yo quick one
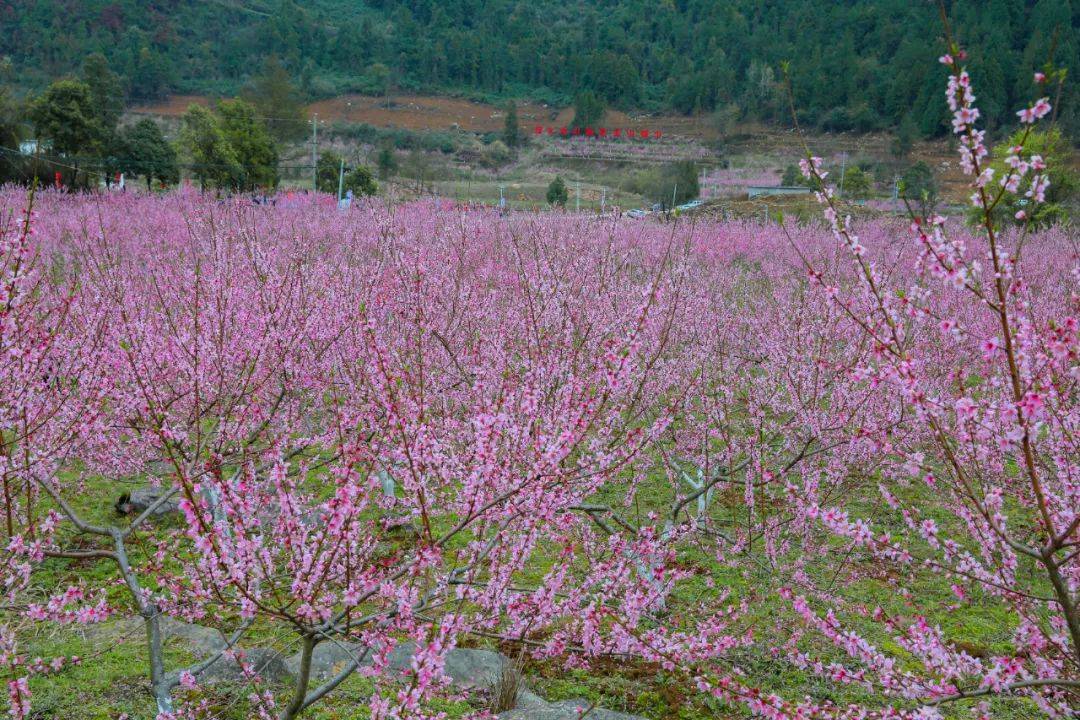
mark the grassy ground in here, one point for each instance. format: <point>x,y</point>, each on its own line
<point>111,680</point>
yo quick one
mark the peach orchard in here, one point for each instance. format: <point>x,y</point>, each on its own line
<point>593,428</point>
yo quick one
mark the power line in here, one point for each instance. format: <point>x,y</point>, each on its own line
<point>165,114</point>
<point>97,162</point>
<point>42,158</point>
<point>124,109</point>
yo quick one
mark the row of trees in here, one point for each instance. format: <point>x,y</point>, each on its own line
<point>75,128</point>
<point>919,186</point>
<point>854,66</point>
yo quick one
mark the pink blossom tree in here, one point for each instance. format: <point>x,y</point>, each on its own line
<point>47,413</point>
<point>985,357</point>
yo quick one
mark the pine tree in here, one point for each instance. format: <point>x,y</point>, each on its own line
<point>252,144</point>
<point>273,96</point>
<point>511,132</point>
<point>148,153</point>
<point>557,193</point>
<point>204,142</point>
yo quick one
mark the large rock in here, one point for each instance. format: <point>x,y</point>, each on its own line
<point>562,710</point>
<point>200,640</point>
<point>268,664</point>
<point>140,499</point>
<point>574,708</point>
<point>330,658</point>
<point>468,668</point>
<point>528,700</point>
<point>203,641</point>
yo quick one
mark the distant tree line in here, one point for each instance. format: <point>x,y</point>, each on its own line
<point>72,129</point>
<point>855,66</point>
<point>72,132</point>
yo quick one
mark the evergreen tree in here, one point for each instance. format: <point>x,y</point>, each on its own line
<point>511,131</point>
<point>211,157</point>
<point>904,140</point>
<point>386,162</point>
<point>557,193</point>
<point>588,110</point>
<point>251,143</point>
<point>149,154</point>
<point>106,89</point>
<point>11,132</point>
<point>64,118</point>
<point>853,65</point>
<point>150,74</point>
<point>274,98</point>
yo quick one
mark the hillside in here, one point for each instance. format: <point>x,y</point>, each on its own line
<point>685,56</point>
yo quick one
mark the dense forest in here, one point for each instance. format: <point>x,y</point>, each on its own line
<point>855,65</point>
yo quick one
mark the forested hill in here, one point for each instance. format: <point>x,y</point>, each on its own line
<point>855,65</point>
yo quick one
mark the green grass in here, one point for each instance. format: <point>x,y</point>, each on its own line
<point>112,679</point>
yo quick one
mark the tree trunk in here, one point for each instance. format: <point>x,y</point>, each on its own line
<point>303,676</point>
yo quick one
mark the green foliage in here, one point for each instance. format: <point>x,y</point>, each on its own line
<point>676,181</point>
<point>106,90</point>
<point>327,168</point>
<point>1061,196</point>
<point>361,181</point>
<point>212,158</point>
<point>416,166</point>
<point>358,179</point>
<point>557,193</point>
<point>11,132</point>
<point>511,131</point>
<point>904,140</point>
<point>853,65</point>
<point>275,99</point>
<point>588,110</point>
<point>65,117</point>
<point>792,176</point>
<point>252,145</point>
<point>724,119</point>
<point>150,74</point>
<point>857,183</point>
<point>495,154</point>
<point>379,76</point>
<point>919,187</point>
<point>148,153</point>
<point>386,162</point>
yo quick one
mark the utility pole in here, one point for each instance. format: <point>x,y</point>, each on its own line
<point>314,152</point>
<point>341,180</point>
<point>674,189</point>
<point>843,170</point>
<point>577,202</point>
<point>603,200</point>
